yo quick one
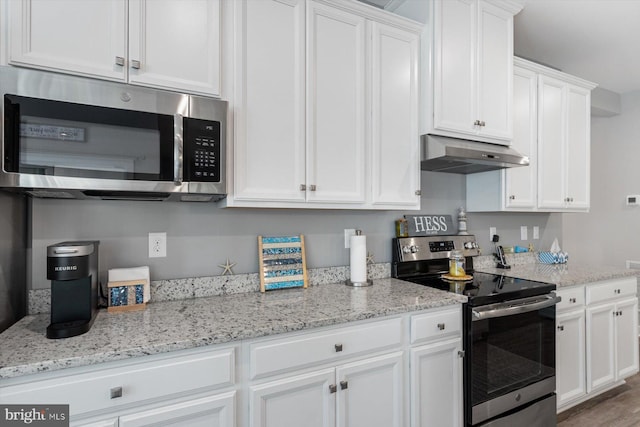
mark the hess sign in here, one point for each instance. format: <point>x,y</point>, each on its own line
<point>429,225</point>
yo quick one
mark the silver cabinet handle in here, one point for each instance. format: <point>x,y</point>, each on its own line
<point>441,326</point>
<point>120,61</point>
<point>312,188</point>
<point>512,197</point>
<point>560,327</point>
<point>461,353</point>
<point>333,388</point>
<point>418,193</point>
<point>338,348</point>
<point>344,385</point>
<point>303,187</point>
<point>476,123</point>
<point>135,64</point>
<point>116,392</point>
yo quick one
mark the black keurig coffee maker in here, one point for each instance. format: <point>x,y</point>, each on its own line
<point>72,268</point>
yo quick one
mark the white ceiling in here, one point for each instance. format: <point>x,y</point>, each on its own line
<point>598,40</point>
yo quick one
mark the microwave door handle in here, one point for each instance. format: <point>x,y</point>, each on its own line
<point>514,307</point>
<point>178,149</point>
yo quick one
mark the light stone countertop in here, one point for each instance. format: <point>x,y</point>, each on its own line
<point>562,275</point>
<point>189,323</point>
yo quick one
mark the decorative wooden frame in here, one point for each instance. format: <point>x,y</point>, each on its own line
<point>126,295</point>
<point>282,262</point>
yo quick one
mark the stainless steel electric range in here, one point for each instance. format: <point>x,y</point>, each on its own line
<point>509,333</point>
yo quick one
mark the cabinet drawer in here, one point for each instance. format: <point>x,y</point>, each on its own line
<point>571,298</point>
<point>611,289</point>
<point>92,390</point>
<point>436,325</point>
<point>270,357</point>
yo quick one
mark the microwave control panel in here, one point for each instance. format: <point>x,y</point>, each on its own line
<point>201,150</point>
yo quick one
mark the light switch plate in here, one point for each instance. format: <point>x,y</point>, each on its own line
<point>524,233</point>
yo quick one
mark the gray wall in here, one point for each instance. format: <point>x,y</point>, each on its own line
<point>608,233</point>
<point>202,236</point>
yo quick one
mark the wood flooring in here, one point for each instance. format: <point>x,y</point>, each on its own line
<point>619,407</point>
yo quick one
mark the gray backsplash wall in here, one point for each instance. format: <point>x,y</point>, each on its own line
<point>202,236</point>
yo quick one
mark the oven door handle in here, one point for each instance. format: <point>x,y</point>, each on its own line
<point>519,306</point>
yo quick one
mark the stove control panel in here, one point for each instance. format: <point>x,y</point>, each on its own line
<point>433,247</point>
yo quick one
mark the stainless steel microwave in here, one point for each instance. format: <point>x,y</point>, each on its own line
<point>74,137</point>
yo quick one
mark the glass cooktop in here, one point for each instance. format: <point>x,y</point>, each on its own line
<point>485,288</point>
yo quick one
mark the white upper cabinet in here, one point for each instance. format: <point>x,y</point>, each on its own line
<point>158,43</point>
<point>472,70</point>
<point>335,105</point>
<point>564,140</point>
<point>395,170</point>
<point>552,127</point>
<point>325,105</point>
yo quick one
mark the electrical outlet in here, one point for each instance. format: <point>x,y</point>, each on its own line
<point>536,232</point>
<point>524,232</point>
<point>157,245</point>
<point>348,232</point>
<point>492,232</point>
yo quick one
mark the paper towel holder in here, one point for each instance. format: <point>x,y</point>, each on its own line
<point>359,284</point>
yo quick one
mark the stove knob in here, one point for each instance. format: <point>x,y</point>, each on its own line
<point>406,249</point>
<point>415,249</point>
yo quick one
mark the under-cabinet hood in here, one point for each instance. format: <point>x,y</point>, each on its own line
<point>453,155</point>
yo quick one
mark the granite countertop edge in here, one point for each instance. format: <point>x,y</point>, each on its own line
<point>195,323</point>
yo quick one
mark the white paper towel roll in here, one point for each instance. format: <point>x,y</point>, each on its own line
<point>358,259</point>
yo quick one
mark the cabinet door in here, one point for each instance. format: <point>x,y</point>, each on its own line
<point>600,346</point>
<point>269,148</point>
<point>335,105</point>
<point>627,338</point>
<point>578,147</point>
<point>303,400</point>
<point>520,182</point>
<point>570,356</point>
<point>395,171</point>
<point>176,45</point>
<point>551,143</point>
<point>436,385</point>
<point>78,37</point>
<point>370,392</point>
<point>495,71</point>
<point>211,411</point>
<point>454,77</point>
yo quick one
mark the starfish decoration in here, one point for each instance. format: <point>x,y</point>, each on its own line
<point>227,267</point>
<point>370,259</point>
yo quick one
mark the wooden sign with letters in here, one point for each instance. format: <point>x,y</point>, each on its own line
<point>429,225</point>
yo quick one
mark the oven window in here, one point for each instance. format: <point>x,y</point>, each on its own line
<point>45,137</point>
<point>511,352</point>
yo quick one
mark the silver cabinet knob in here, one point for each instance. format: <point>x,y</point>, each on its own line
<point>135,64</point>
<point>441,326</point>
<point>418,193</point>
<point>560,327</point>
<point>476,123</point>
<point>120,61</point>
<point>116,392</point>
<point>512,197</point>
<point>344,385</point>
<point>572,300</point>
<point>338,348</point>
<point>303,187</point>
<point>312,188</point>
<point>333,388</point>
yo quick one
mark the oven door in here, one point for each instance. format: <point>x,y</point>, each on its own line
<point>510,353</point>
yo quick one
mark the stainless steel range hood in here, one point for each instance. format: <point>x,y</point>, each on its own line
<point>453,155</point>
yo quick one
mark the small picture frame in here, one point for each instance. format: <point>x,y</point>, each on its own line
<point>126,295</point>
<point>282,262</point>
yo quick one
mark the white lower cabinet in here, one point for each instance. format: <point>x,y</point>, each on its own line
<point>436,369</point>
<point>436,388</point>
<point>596,339</point>
<point>362,393</point>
